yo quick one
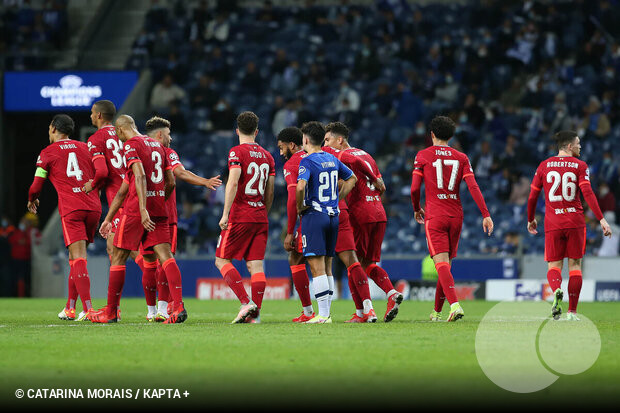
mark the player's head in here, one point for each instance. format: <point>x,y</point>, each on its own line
<point>568,141</point>
<point>102,112</point>
<point>289,141</point>
<point>313,134</point>
<point>125,128</point>
<point>61,127</point>
<point>337,135</point>
<point>442,129</point>
<point>247,125</point>
<point>159,129</point>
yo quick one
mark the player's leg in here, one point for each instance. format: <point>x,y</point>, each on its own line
<point>320,284</point>
<point>555,252</point>
<point>575,281</point>
<point>149,283</point>
<point>109,314</point>
<point>164,304</point>
<point>360,291</point>
<point>79,272</point>
<point>258,282</point>
<point>68,313</point>
<point>173,275</point>
<point>297,262</point>
<point>446,280</point>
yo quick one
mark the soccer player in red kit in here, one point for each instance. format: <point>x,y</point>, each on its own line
<point>154,279</point>
<point>368,221</point>
<point>562,177</point>
<point>290,145</point>
<point>144,222</point>
<point>244,223</point>
<point>67,164</point>
<point>443,168</point>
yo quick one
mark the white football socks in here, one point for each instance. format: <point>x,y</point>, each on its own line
<point>321,292</point>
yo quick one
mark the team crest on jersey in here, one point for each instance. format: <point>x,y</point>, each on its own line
<point>127,147</point>
<point>39,159</point>
<point>173,156</point>
<point>587,177</point>
<point>302,170</point>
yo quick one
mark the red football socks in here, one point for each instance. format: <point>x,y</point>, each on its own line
<point>439,297</point>
<point>173,275</point>
<point>82,281</point>
<point>258,281</point>
<point>574,289</point>
<point>446,281</point>
<point>233,279</point>
<point>115,287</point>
<point>380,277</point>
<point>302,284</point>
<point>554,277</point>
<point>149,282</point>
<point>359,304</point>
<point>163,292</point>
<point>360,281</point>
<point>72,291</point>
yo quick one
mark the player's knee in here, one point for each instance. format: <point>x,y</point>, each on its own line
<point>220,262</point>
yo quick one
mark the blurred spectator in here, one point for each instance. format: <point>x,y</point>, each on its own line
<point>607,170</point>
<point>484,162</point>
<point>347,100</point>
<point>605,197</point>
<point>408,106</point>
<point>204,95</point>
<point>280,62</point>
<point>594,123</point>
<point>511,98</point>
<point>511,244</point>
<point>252,81</point>
<point>475,113</point>
<point>510,158</point>
<point>609,245</point>
<point>21,243</point>
<point>383,99</point>
<point>503,185</point>
<point>177,118</point>
<point>366,63</point>
<point>223,117</point>
<point>164,93</point>
<point>520,189</point>
<point>285,117</point>
<point>420,138</point>
<point>217,67</point>
<point>217,30</point>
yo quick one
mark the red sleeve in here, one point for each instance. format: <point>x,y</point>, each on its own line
<point>234,158</point>
<point>586,190</point>
<point>474,190</point>
<point>291,209</point>
<point>101,171</point>
<point>35,188</point>
<point>535,189</point>
<point>416,184</point>
<point>357,164</point>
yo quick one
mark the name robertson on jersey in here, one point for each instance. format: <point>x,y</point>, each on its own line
<point>562,164</point>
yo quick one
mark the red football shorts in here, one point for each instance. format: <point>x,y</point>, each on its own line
<point>116,220</point>
<point>368,239</point>
<point>243,241</point>
<point>442,235</point>
<point>346,240</point>
<point>132,236</point>
<point>80,226</point>
<point>562,243</point>
<point>173,238</point>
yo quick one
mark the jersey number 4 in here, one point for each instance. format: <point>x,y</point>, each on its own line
<point>567,181</point>
<point>439,169</point>
<point>73,168</point>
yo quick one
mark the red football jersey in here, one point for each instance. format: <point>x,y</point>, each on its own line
<point>442,168</point>
<point>154,161</point>
<point>171,203</point>
<point>257,165</point>
<point>561,177</point>
<point>105,143</point>
<point>69,167</point>
<point>291,171</point>
<point>364,200</point>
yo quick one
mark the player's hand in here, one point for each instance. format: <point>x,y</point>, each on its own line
<point>531,227</point>
<point>33,205</point>
<point>419,216</point>
<point>487,226</point>
<point>380,185</point>
<point>289,242</point>
<point>214,182</point>
<point>146,220</point>
<point>88,186</point>
<point>105,229</point>
<point>224,223</point>
<point>605,227</point>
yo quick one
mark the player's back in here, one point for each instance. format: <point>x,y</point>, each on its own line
<point>69,167</point>
<point>171,202</point>
<point>104,142</point>
<point>291,167</point>
<point>364,200</point>
<point>321,171</point>
<point>443,168</point>
<point>256,165</point>
<point>560,177</point>
<point>154,162</point>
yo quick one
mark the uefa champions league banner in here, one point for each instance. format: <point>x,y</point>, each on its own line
<point>65,91</point>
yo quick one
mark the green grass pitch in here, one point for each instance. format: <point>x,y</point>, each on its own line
<point>404,364</point>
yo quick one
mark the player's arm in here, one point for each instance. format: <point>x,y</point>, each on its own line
<point>349,179</point>
<point>416,186</point>
<point>169,183</point>
<point>269,191</point>
<point>101,173</point>
<point>300,193</point>
<point>117,202</point>
<point>140,180</point>
<point>361,165</point>
<point>588,195</point>
<point>291,214</point>
<point>35,189</point>
<point>231,191</point>
<point>532,200</point>
<point>476,194</point>
<point>191,178</point>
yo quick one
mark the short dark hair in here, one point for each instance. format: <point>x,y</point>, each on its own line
<point>564,137</point>
<point>247,122</point>
<point>106,108</point>
<point>291,134</point>
<point>315,131</point>
<point>156,123</point>
<point>443,127</point>
<point>338,128</point>
<point>63,124</point>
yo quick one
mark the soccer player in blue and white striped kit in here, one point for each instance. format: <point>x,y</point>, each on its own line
<point>317,198</point>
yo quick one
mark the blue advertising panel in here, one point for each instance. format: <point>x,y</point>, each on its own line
<point>65,91</point>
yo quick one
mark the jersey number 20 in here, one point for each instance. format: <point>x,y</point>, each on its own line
<point>328,183</point>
